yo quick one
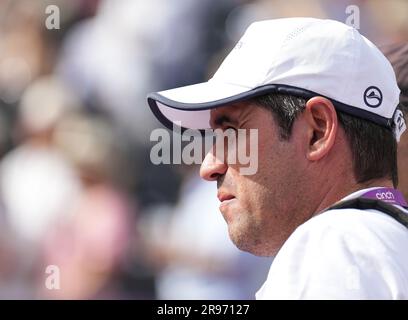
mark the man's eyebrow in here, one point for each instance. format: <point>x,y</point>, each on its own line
<point>222,119</point>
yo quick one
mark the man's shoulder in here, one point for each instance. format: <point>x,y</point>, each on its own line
<point>350,230</point>
<point>354,221</point>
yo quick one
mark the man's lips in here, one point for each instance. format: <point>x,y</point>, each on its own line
<point>222,196</point>
<point>227,200</point>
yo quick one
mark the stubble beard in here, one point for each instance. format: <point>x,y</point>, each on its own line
<point>247,235</point>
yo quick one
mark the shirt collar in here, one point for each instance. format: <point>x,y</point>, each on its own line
<point>358,193</point>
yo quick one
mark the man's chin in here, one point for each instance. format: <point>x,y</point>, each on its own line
<point>253,246</point>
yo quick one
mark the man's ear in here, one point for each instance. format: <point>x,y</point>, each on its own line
<point>322,123</point>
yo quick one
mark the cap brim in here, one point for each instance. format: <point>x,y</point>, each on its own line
<point>189,106</point>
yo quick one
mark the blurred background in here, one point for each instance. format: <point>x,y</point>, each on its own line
<point>77,188</point>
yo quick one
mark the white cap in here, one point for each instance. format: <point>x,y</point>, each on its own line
<point>304,57</point>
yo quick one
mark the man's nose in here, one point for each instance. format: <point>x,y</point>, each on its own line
<point>212,167</point>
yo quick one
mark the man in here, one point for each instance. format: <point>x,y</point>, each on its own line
<point>397,54</point>
<point>324,101</point>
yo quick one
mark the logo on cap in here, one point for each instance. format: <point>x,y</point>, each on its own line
<point>373,97</point>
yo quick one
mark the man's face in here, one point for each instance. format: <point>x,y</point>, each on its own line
<point>260,208</point>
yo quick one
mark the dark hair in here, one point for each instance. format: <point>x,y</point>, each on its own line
<point>374,147</point>
<point>397,54</point>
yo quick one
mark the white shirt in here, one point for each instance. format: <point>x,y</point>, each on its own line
<point>342,254</point>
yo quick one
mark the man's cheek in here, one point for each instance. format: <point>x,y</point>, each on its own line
<point>247,150</point>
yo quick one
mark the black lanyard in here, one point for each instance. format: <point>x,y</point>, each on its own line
<point>367,203</point>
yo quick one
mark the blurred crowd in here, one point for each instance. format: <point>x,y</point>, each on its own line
<point>77,188</point>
